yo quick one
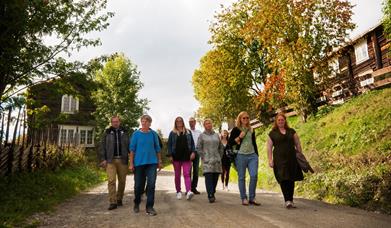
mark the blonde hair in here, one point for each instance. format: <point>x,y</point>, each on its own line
<point>179,131</point>
<point>238,121</point>
<point>206,120</point>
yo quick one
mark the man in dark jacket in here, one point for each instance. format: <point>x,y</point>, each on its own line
<point>114,156</point>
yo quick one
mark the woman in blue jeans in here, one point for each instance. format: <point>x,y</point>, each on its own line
<point>242,139</point>
<point>144,159</point>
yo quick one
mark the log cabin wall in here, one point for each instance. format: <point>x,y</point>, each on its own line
<point>356,77</point>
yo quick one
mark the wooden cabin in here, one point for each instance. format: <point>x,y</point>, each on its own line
<point>361,65</point>
<point>61,118</point>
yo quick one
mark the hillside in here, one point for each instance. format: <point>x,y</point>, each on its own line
<point>349,146</point>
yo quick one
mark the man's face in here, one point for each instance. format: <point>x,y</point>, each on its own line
<point>192,123</point>
<point>115,122</point>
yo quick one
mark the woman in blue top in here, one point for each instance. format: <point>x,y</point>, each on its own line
<point>144,159</point>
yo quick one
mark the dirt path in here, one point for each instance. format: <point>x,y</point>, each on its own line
<point>89,209</point>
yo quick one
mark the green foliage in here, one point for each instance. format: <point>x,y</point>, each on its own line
<point>387,18</point>
<point>247,54</point>
<point>218,88</point>
<point>27,193</point>
<point>350,150</point>
<point>26,54</point>
<point>117,94</point>
<point>267,37</point>
<point>231,75</point>
<point>303,32</point>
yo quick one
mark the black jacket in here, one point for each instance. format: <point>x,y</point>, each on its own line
<point>235,133</point>
<point>108,144</point>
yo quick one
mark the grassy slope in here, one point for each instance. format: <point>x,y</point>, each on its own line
<point>27,193</point>
<point>350,148</point>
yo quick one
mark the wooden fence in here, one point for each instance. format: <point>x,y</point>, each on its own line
<point>26,151</point>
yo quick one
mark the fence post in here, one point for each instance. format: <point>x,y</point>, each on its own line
<point>23,130</point>
<point>8,126</point>
<point>2,129</point>
<point>30,155</point>
<point>11,151</point>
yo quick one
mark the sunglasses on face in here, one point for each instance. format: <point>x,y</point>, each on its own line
<point>245,118</point>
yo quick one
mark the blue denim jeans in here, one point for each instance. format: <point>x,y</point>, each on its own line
<point>142,174</point>
<point>250,162</point>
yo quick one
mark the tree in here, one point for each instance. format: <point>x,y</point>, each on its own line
<point>271,97</point>
<point>265,84</point>
<point>250,54</point>
<point>387,17</point>
<point>299,35</point>
<point>219,87</point>
<point>33,35</point>
<point>232,75</point>
<point>117,93</point>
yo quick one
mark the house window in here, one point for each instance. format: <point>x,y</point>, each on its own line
<point>361,51</point>
<point>89,137</point>
<point>71,134</point>
<point>337,93</point>
<point>82,136</point>
<point>63,136</point>
<point>69,104</point>
<point>67,136</point>
<point>76,135</point>
<point>366,82</point>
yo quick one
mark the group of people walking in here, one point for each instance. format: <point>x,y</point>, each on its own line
<point>141,153</point>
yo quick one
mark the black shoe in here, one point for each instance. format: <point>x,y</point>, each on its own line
<point>196,192</point>
<point>253,202</point>
<point>151,212</point>
<point>119,203</point>
<point>136,208</point>
<point>212,199</point>
<point>112,206</point>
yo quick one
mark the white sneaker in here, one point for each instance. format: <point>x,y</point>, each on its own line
<point>179,195</point>
<point>289,204</point>
<point>189,195</point>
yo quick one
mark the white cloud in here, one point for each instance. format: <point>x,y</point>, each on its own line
<point>167,38</point>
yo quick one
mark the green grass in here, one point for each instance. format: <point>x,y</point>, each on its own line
<point>27,193</point>
<point>349,146</point>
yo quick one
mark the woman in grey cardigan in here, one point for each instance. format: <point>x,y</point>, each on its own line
<point>210,150</point>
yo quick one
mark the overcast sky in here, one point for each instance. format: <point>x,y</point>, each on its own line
<point>167,38</point>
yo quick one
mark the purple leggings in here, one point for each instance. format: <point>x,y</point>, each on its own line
<point>186,166</point>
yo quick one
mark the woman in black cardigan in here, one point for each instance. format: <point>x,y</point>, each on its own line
<point>242,139</point>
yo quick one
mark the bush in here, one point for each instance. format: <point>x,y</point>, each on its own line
<point>24,194</point>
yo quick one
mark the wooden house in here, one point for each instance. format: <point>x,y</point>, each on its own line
<point>361,65</point>
<point>60,117</point>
